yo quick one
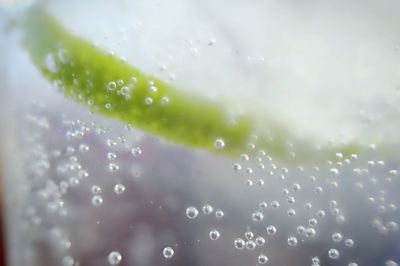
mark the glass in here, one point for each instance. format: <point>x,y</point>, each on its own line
<point>268,132</point>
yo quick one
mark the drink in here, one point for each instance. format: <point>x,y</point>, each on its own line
<point>175,133</point>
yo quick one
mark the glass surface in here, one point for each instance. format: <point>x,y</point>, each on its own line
<point>315,183</point>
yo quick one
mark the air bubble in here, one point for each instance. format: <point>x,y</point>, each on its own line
<point>333,254</point>
<point>271,230</point>
<point>112,167</point>
<point>214,234</point>
<point>239,243</point>
<point>111,156</point>
<point>96,189</point>
<point>237,167</point>
<point>249,235</point>
<point>219,214</point>
<point>219,144</point>
<point>257,216</point>
<point>337,237</point>
<point>111,86</point>
<point>164,101</point>
<point>207,209</point>
<point>260,241</point>
<point>119,189</point>
<point>114,258</point>
<point>250,244</point>
<point>349,243</point>
<point>168,252</point>
<point>148,101</point>
<point>262,259</point>
<point>292,241</point>
<point>136,151</point>
<point>192,212</point>
<point>97,200</point>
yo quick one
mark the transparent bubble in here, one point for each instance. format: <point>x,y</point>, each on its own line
<point>257,216</point>
<point>275,204</point>
<point>392,226</point>
<point>250,244</point>
<point>207,209</point>
<point>352,264</point>
<point>337,237</point>
<point>136,151</point>
<point>310,232</point>
<point>315,261</point>
<point>114,258</point>
<point>168,252</point>
<point>83,148</point>
<point>148,101</point>
<point>312,222</point>
<point>292,241</point>
<point>111,86</point>
<point>214,234</point>
<point>349,243</point>
<point>320,213</point>
<point>249,234</point>
<point>333,254</point>
<point>239,243</point>
<point>219,144</point>
<point>192,212</point>
<point>111,156</point>
<point>291,212</point>
<point>119,189</point>
<point>164,101</point>
<point>271,230</point>
<point>301,229</point>
<point>244,157</point>
<point>219,214</point>
<point>263,204</point>
<point>391,263</point>
<point>95,189</point>
<point>68,261</point>
<point>237,167</point>
<point>260,241</point>
<point>262,259</point>
<point>296,187</point>
<point>153,89</point>
<point>97,200</point>
<point>112,167</point>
